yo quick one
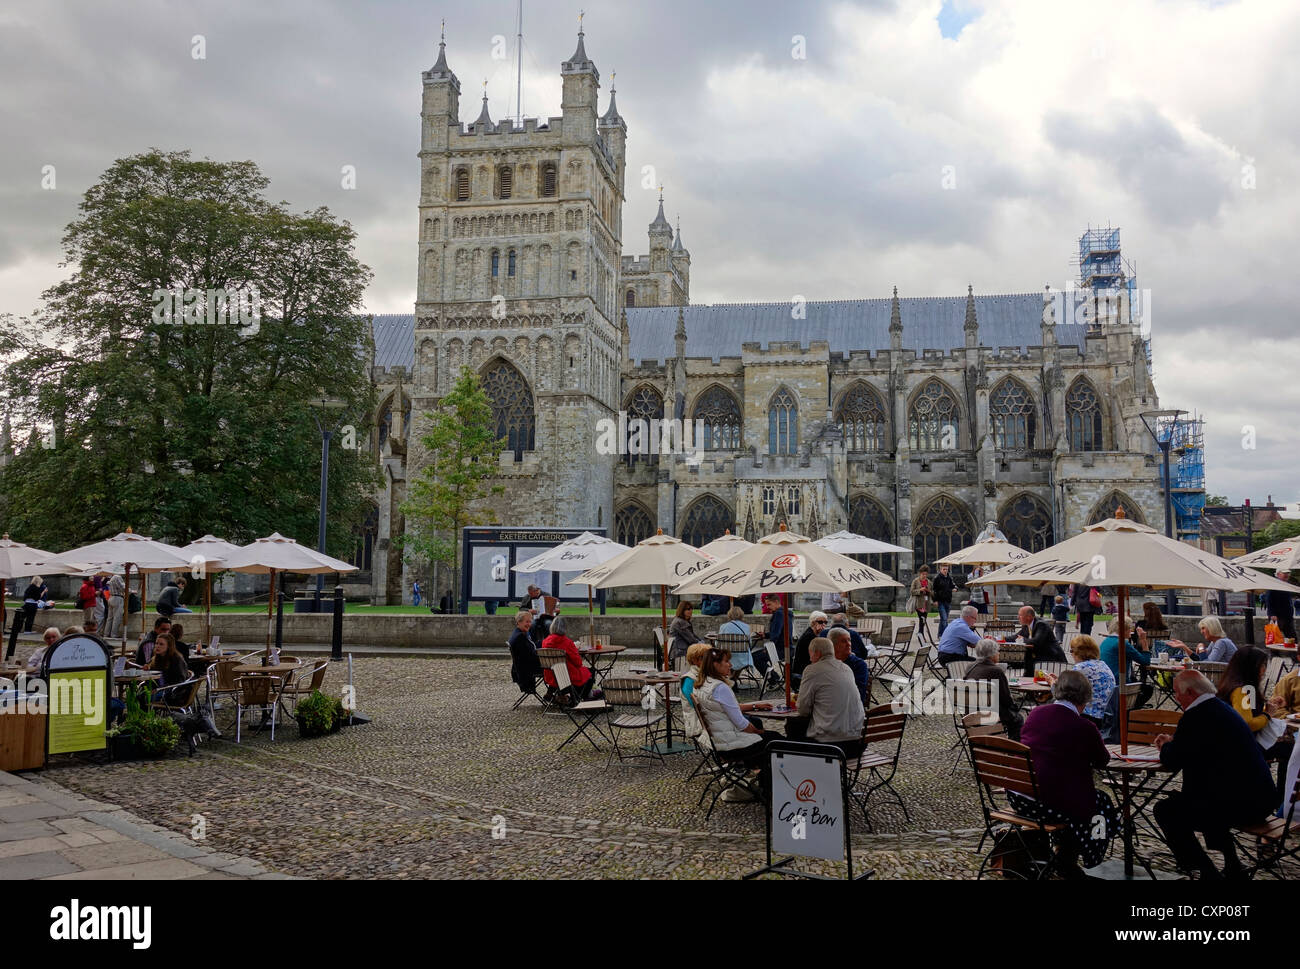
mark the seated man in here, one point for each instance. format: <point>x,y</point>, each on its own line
<point>534,594</point>
<point>986,668</point>
<point>817,623</point>
<point>524,665</point>
<point>958,636</point>
<point>861,648</point>
<point>1040,642</point>
<point>1226,782</point>
<point>1288,692</point>
<point>839,637</point>
<point>830,708</point>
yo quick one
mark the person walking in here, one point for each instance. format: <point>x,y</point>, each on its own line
<point>920,596</point>
<point>1087,601</point>
<point>86,600</point>
<point>116,608</point>
<point>942,590</point>
<point>415,593</point>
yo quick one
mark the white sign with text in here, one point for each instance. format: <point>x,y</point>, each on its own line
<point>807,806</point>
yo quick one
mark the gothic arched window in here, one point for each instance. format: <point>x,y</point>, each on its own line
<point>782,424</point>
<point>505,181</point>
<point>510,263</point>
<point>1116,499</point>
<point>720,412</point>
<point>1011,416</point>
<point>861,417</point>
<point>943,527</point>
<point>646,404</point>
<point>630,300</point>
<point>932,418</point>
<point>548,180</point>
<point>365,535</point>
<point>512,406</point>
<point>385,425</point>
<point>867,517</point>
<point>1083,416</point>
<point>706,519</point>
<point>496,263</point>
<point>1027,521</point>
<point>632,524</point>
<point>769,500</point>
<point>462,185</point>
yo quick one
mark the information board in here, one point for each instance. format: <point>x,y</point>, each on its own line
<point>490,555</point>
<point>78,674</point>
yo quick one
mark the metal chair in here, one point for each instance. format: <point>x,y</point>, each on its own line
<point>775,670</point>
<point>742,658</point>
<point>304,682</point>
<point>871,626</point>
<point>549,659</point>
<point>624,711</point>
<point>582,713</point>
<point>526,672</point>
<point>1212,671</point>
<point>1003,765</point>
<point>256,691</point>
<point>967,697</point>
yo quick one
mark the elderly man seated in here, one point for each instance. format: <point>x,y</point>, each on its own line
<point>1040,642</point>
<point>986,668</point>
<point>1226,782</point>
<point>839,637</point>
<point>958,636</point>
<point>830,708</point>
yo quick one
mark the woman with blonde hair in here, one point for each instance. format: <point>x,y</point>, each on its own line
<point>1087,660</point>
<point>734,736</point>
<point>1217,647</point>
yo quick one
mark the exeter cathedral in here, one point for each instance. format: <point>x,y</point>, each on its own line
<point>911,419</point>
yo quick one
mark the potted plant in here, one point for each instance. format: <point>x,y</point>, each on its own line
<point>318,714</point>
<point>143,733</point>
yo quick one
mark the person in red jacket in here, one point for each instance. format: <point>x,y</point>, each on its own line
<point>1064,747</point>
<point>86,600</point>
<point>579,673</point>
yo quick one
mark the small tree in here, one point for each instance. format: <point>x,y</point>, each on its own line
<point>444,497</point>
<point>1216,501</point>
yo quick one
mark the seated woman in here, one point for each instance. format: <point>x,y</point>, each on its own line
<point>579,673</point>
<point>1065,749</point>
<point>1241,689</point>
<point>986,668</point>
<point>690,719</point>
<point>167,658</point>
<point>736,626</point>
<point>50,636</point>
<point>1087,661</point>
<point>1137,651</point>
<point>681,635</point>
<point>1217,647</point>
<point>734,737</point>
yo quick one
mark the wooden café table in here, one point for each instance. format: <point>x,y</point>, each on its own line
<point>128,677</point>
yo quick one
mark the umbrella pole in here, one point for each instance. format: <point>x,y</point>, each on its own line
<point>1123,670</point>
<point>143,604</point>
<point>663,615</point>
<point>207,608</point>
<point>788,657</point>
<point>995,602</point>
<point>266,657</point>
<point>591,617</point>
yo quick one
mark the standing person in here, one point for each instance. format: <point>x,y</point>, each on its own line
<point>1226,782</point>
<point>116,608</point>
<point>979,597</point>
<point>776,622</point>
<point>1086,603</point>
<point>86,600</point>
<point>1060,616</point>
<point>942,590</point>
<point>416,593</point>
<point>920,594</point>
<point>35,597</point>
<point>1048,600</point>
<point>1282,605</point>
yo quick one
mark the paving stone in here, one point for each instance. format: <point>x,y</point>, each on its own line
<point>41,864</point>
<point>78,840</point>
<point>19,830</point>
<point>168,868</point>
<point>29,812</point>
<point>9,797</point>
<point>30,846</point>
<point>112,855</point>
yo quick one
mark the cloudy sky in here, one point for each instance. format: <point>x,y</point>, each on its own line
<point>922,144</point>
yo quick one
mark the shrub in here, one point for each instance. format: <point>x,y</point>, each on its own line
<point>319,714</point>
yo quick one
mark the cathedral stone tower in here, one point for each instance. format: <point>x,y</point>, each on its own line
<point>519,254</point>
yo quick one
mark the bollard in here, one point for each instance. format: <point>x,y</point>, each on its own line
<point>1249,613</point>
<point>336,636</point>
<point>13,633</point>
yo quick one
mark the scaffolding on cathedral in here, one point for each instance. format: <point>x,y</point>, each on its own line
<point>1186,472</point>
<point>1104,270</point>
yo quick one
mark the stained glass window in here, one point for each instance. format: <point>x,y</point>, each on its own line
<point>512,406</point>
<point>632,524</point>
<point>706,519</point>
<point>932,420</point>
<point>1083,416</point>
<point>720,412</point>
<point>861,417</point>
<point>944,526</point>
<point>1027,521</point>
<point>1011,416</point>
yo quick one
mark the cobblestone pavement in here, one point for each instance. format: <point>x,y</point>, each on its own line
<point>418,792</point>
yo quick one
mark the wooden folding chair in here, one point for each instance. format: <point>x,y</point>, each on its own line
<point>625,712</point>
<point>582,713</point>
<point>725,774</point>
<point>883,736</point>
<point>1003,765</point>
<point>1269,843</point>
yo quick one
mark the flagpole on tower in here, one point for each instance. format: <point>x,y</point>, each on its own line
<point>519,68</point>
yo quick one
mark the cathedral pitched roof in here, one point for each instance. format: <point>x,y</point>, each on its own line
<point>929,323</point>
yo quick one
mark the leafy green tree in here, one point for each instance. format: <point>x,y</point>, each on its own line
<point>447,493</point>
<point>138,401</point>
<point>1216,501</point>
<point>1275,532</point>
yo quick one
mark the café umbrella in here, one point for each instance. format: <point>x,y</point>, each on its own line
<point>1284,555</point>
<point>850,543</point>
<point>991,549</point>
<point>128,550</point>
<point>273,555</point>
<point>785,562</point>
<point>203,553</point>
<point>658,560</point>
<point>17,560</point>
<point>725,546</point>
<point>577,554</point>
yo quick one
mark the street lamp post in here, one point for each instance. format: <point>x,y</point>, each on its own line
<point>324,403</point>
<point>1171,597</point>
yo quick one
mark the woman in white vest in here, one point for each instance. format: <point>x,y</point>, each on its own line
<point>733,735</point>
